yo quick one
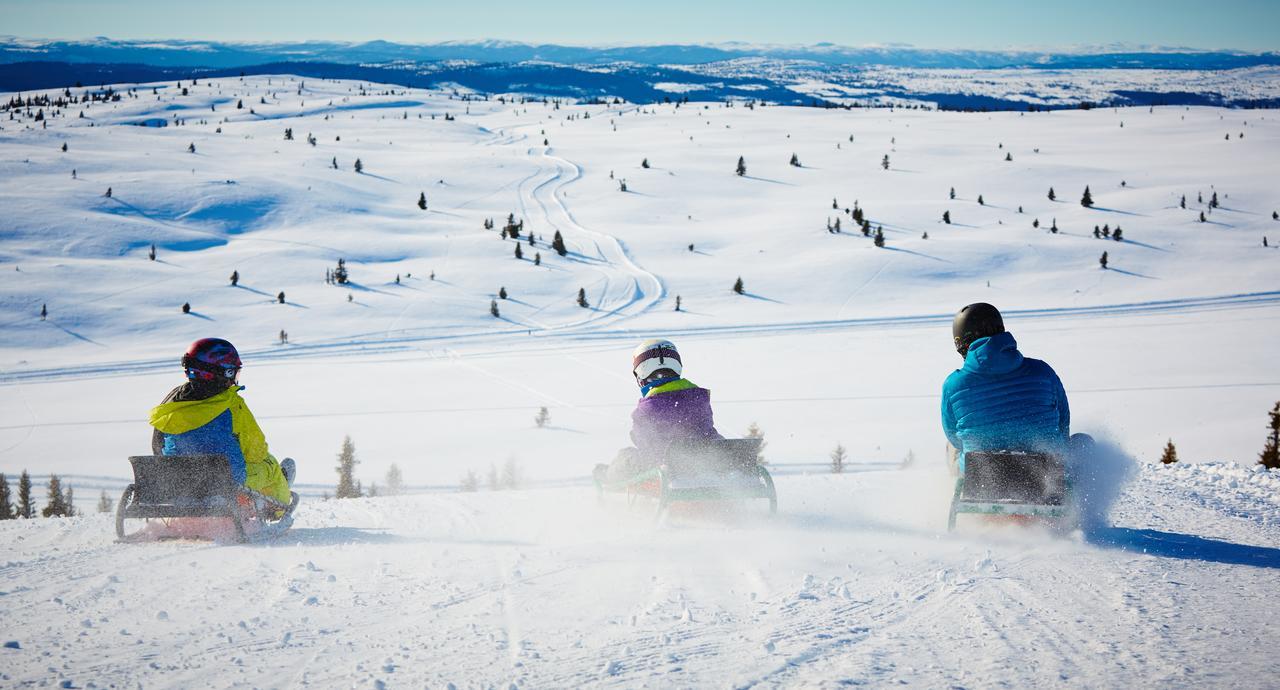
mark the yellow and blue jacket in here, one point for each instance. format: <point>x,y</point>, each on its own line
<point>222,424</point>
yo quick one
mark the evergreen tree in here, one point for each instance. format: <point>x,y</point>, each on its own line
<point>953,193</point>
<point>493,308</point>
<point>280,297</point>
<point>1008,157</point>
<point>1270,456</point>
<point>537,258</point>
<point>235,278</point>
<point>879,238</point>
<point>7,511</point>
<point>1275,215</point>
<point>754,431</point>
<point>502,292</point>
<point>1052,196</point>
<point>738,287</point>
<point>557,243</point>
<point>1054,227</point>
<point>104,502</point>
<point>834,205</point>
<point>359,166</point>
<point>543,418</point>
<point>56,503</point>
<point>44,312</point>
<point>1213,201</point>
<point>1117,235</point>
<point>946,217</point>
<point>1183,202</point>
<point>519,251</point>
<point>980,201</point>
<point>395,480</point>
<point>795,161</point>
<point>1202,218</point>
<point>645,164</point>
<point>470,482</point>
<point>1170,455</point>
<point>373,490</point>
<point>885,163</point>
<point>838,457</point>
<point>678,299</point>
<point>742,167</point>
<point>582,298</point>
<point>347,486</point>
<point>1086,200</point>
<point>422,201</point>
<point>186,307</point>
<point>152,254</point>
<point>511,475</point>
<point>1103,260</point>
<point>26,508</point>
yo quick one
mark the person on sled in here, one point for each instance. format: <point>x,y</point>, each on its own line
<point>207,415</point>
<point>671,408</point>
<point>1000,399</point>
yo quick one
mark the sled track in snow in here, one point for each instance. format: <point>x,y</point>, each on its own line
<point>409,341</point>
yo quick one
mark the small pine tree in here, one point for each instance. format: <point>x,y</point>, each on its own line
<point>359,166</point>
<point>1103,260</point>
<point>543,418</point>
<point>834,204</point>
<point>422,201</point>
<point>186,307</point>
<point>1008,157</point>
<point>1270,456</point>
<point>347,486</point>
<point>395,480</point>
<point>946,217</point>
<point>1087,199</point>
<point>280,297</point>
<point>152,254</point>
<point>795,161</point>
<point>493,308</point>
<point>741,170</point>
<point>1213,201</point>
<point>1035,223</point>
<point>952,195</point>
<point>104,502</point>
<point>1183,202</point>
<point>7,511</point>
<point>1170,455</point>
<point>885,163</point>
<point>502,292</point>
<point>557,243</point>
<point>537,258</point>
<point>44,312</point>
<point>678,299</point>
<point>1118,234</point>
<point>980,201</point>
<point>754,431</point>
<point>738,287</point>
<point>373,490</point>
<point>879,238</point>
<point>1052,196</point>
<point>645,164</point>
<point>511,475</point>
<point>470,482</point>
<point>838,457</point>
<point>56,503</point>
<point>235,278</point>
<point>1202,218</point>
<point>519,252</point>
<point>26,508</point>
<point>582,298</point>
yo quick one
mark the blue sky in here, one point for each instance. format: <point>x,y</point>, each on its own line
<point>1237,24</point>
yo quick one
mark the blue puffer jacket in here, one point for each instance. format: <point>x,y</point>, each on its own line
<point>1000,400</point>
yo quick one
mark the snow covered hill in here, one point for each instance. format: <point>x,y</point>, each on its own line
<point>833,341</point>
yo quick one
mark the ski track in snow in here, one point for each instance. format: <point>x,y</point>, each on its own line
<point>576,331</point>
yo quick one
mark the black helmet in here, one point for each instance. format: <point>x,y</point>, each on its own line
<point>978,320</point>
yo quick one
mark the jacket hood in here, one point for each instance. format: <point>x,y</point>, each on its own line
<point>179,417</point>
<point>997,354</point>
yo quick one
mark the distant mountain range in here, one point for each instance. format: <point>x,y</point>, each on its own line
<point>213,54</point>
<point>820,74</point>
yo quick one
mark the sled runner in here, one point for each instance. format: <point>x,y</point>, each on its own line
<point>719,470</point>
<point>1010,482</point>
<point>199,491</point>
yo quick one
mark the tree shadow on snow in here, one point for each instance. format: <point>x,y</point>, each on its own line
<point>254,291</point>
<point>765,179</point>
<point>1116,210</point>
<point>198,315</point>
<point>1184,546</point>
<point>1131,273</point>
<point>762,298</point>
<point>75,335</point>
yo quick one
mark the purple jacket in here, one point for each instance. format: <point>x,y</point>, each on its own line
<point>674,411</point>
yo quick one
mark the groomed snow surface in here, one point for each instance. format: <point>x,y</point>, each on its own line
<point>835,341</point>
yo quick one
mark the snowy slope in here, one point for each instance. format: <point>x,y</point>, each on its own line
<point>852,584</point>
<point>835,341</point>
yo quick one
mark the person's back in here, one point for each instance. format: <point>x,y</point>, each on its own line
<point>999,399</point>
<point>671,409</point>
<point>207,415</point>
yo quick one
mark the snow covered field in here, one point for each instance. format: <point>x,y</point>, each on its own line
<point>834,341</point>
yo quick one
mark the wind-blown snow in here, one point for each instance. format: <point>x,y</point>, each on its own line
<point>834,341</point>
